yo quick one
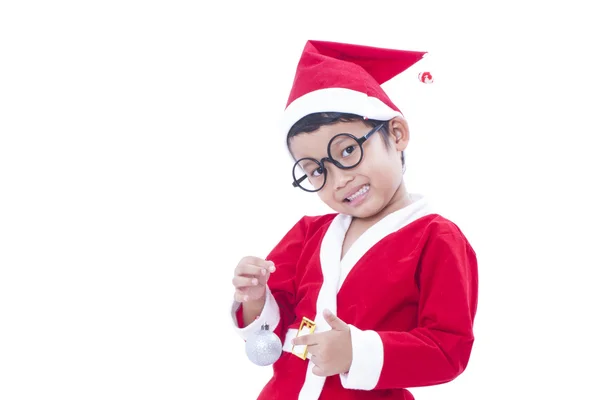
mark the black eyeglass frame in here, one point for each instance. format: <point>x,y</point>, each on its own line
<point>321,163</point>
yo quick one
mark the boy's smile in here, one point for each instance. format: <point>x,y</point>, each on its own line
<point>357,196</point>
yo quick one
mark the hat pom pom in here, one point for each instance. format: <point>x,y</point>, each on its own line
<point>426,77</point>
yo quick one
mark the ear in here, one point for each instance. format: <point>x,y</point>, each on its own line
<point>399,133</point>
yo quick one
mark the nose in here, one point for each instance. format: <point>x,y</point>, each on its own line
<point>339,177</point>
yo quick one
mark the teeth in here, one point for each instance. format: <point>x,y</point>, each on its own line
<point>362,190</point>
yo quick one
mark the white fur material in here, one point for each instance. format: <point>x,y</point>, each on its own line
<point>367,360</point>
<point>270,315</point>
<point>336,100</point>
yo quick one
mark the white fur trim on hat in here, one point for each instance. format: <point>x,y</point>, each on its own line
<point>336,100</point>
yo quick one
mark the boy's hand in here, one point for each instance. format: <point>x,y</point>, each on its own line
<point>250,278</point>
<point>331,351</point>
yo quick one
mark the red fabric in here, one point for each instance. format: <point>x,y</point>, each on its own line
<point>437,350</point>
<point>339,65</point>
<point>417,288</point>
<point>287,256</point>
<point>239,316</point>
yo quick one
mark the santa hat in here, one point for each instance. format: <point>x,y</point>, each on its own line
<point>346,78</point>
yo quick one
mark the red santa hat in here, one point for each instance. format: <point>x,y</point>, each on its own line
<point>340,77</point>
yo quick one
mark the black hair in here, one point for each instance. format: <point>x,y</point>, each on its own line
<point>312,122</point>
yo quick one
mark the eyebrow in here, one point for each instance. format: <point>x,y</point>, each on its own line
<point>340,139</point>
<point>336,141</point>
<point>303,164</point>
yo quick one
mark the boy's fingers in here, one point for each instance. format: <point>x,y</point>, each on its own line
<point>267,270</point>
<point>259,262</point>
<point>244,281</point>
<point>307,340</point>
<point>240,296</point>
<point>318,371</point>
<point>249,270</point>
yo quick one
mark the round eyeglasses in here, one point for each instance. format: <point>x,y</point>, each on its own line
<point>344,150</point>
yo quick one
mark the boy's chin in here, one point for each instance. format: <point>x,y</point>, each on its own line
<point>363,214</point>
<point>356,212</point>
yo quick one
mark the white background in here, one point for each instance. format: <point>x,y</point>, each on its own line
<point>140,160</point>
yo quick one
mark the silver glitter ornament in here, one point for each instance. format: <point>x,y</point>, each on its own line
<point>264,347</point>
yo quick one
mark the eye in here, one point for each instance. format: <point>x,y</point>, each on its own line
<point>348,150</point>
<point>316,172</point>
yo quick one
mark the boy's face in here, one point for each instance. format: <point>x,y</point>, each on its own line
<point>367,189</point>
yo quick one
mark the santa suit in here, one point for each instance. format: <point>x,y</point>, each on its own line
<point>407,288</point>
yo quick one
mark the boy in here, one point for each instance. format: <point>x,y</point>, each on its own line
<point>389,286</point>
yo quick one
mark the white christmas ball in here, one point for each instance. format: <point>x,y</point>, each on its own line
<point>264,347</point>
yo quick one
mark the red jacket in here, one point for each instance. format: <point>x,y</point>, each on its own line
<point>407,287</point>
